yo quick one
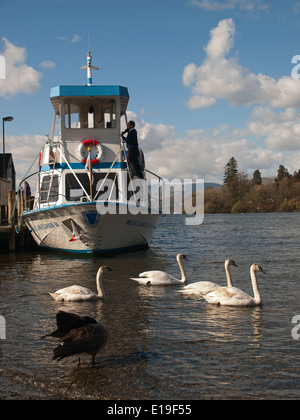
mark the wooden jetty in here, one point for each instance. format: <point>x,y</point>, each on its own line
<point>11,211</point>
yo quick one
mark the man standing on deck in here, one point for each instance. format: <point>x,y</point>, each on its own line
<point>133,150</point>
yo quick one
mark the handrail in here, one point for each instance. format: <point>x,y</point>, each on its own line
<point>90,198</point>
<point>105,178</point>
<point>152,173</point>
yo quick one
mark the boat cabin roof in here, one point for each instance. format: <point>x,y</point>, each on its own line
<point>81,93</point>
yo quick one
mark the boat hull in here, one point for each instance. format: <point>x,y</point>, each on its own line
<point>81,228</point>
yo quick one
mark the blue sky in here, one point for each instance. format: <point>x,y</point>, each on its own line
<point>207,79</point>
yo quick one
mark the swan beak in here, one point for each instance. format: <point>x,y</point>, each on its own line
<point>262,270</point>
<point>234,263</point>
<point>106,267</point>
<point>185,257</point>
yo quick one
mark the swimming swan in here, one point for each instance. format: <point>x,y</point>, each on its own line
<point>78,293</point>
<point>158,278</point>
<point>203,287</point>
<point>231,296</point>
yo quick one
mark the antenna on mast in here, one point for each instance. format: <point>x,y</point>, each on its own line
<point>89,68</point>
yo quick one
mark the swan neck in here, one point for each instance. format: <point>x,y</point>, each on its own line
<point>257,296</point>
<point>99,283</point>
<point>228,275</point>
<point>183,276</point>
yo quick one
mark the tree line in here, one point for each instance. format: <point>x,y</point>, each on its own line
<point>242,194</point>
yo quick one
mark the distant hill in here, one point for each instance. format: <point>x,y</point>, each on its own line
<point>211,185</point>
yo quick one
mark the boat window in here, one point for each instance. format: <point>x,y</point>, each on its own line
<point>92,114</point>
<point>74,191</point>
<point>45,186</point>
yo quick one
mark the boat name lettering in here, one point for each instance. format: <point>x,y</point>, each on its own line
<point>140,224</point>
<point>47,226</point>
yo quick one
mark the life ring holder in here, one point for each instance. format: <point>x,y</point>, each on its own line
<point>89,143</point>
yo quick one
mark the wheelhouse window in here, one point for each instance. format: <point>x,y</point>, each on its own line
<point>91,113</point>
<point>108,188</point>
<point>49,189</point>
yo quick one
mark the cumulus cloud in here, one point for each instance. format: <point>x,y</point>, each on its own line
<point>24,149</point>
<point>280,131</point>
<point>202,154</point>
<point>19,76</point>
<point>222,77</point>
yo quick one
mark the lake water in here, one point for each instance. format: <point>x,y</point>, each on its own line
<point>162,344</point>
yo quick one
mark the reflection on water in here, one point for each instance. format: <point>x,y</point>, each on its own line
<point>162,344</point>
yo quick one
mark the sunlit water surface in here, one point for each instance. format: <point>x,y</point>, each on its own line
<point>162,344</point>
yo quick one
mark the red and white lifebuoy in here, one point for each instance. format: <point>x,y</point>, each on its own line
<point>96,151</point>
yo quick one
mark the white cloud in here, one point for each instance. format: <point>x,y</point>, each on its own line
<point>19,76</point>
<point>25,149</point>
<point>76,38</point>
<point>48,64</point>
<point>202,154</point>
<point>222,77</point>
<point>214,5</point>
<point>281,131</point>
<point>221,40</point>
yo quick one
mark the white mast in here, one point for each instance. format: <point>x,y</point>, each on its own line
<point>89,68</point>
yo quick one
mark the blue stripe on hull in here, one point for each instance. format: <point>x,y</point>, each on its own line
<point>101,165</point>
<point>97,251</point>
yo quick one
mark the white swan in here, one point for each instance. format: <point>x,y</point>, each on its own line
<point>158,278</point>
<point>203,287</point>
<point>78,293</point>
<point>231,296</point>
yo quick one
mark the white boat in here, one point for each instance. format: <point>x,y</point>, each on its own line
<point>83,201</point>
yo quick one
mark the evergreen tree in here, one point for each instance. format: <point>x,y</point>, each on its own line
<point>231,171</point>
<point>282,173</point>
<point>256,178</point>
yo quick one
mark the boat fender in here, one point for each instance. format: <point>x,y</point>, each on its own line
<point>82,150</point>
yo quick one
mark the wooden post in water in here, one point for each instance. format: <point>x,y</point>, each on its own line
<point>19,211</point>
<point>11,204</point>
<point>11,217</point>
